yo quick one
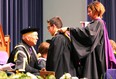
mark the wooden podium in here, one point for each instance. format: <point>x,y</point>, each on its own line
<point>4,41</point>
<point>44,74</point>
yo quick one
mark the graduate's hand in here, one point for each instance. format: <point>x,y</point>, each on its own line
<point>63,29</point>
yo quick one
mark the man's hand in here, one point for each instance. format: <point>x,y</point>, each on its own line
<point>43,69</point>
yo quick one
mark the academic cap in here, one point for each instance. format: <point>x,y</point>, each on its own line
<point>29,29</point>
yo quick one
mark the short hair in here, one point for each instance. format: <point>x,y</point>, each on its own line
<point>97,7</point>
<point>55,20</point>
<point>43,48</point>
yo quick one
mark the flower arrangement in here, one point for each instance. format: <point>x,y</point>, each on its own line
<point>3,75</point>
<point>28,75</point>
<point>68,76</point>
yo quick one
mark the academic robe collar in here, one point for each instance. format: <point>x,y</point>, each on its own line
<point>67,34</point>
<point>31,48</point>
<point>98,18</point>
<point>56,33</point>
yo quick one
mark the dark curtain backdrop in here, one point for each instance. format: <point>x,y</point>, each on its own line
<point>109,17</point>
<point>18,14</point>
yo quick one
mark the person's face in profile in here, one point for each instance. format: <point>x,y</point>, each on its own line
<point>34,38</point>
<point>50,29</point>
<point>31,38</point>
<point>92,14</point>
<point>89,12</point>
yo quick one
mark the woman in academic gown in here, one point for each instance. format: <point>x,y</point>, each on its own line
<point>91,48</point>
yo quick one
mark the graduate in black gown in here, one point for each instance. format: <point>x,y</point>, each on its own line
<point>59,53</point>
<point>92,51</point>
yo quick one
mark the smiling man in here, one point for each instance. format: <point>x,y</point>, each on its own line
<point>24,55</point>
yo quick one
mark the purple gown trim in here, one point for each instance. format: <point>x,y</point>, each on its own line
<point>110,58</point>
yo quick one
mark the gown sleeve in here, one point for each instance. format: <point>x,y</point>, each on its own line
<point>22,63</point>
<point>84,40</point>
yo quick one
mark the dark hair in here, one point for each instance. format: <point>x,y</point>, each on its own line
<point>55,20</point>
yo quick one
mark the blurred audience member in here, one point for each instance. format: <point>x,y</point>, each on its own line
<point>113,44</point>
<point>43,51</point>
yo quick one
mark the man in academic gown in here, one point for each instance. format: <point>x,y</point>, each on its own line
<point>24,55</point>
<point>59,53</point>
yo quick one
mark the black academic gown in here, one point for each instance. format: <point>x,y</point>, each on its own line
<point>59,56</point>
<point>24,58</point>
<point>88,50</point>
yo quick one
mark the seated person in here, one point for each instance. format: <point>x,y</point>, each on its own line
<point>24,55</point>
<point>43,51</point>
